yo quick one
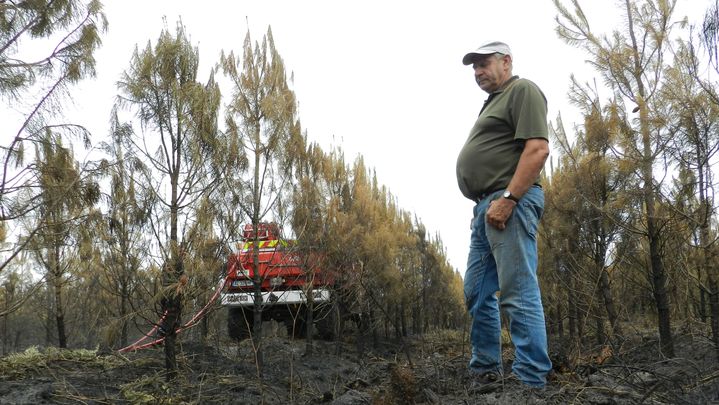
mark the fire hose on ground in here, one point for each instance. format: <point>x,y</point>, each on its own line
<point>139,345</point>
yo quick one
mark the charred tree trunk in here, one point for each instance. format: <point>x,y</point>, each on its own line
<point>123,315</point>
<point>708,267</point>
<point>608,298</point>
<point>171,302</point>
<point>397,322</point>
<point>424,326</point>
<point>702,303</point>
<point>373,327</point>
<point>714,306</point>
<point>403,318</point>
<point>656,270</point>
<point>309,316</point>
<point>661,298</point>
<point>575,329</point>
<point>4,335</point>
<point>416,320</point>
<point>49,315</point>
<point>572,315</point>
<point>257,310</point>
<point>59,309</point>
<point>172,307</point>
<point>599,322</point>
<point>60,320</point>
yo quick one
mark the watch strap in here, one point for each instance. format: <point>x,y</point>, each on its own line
<point>508,195</point>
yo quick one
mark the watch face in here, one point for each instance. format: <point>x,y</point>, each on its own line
<point>508,195</point>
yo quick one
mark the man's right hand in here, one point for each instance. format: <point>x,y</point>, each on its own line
<point>499,212</point>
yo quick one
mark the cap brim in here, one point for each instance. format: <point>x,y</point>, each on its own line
<point>470,57</point>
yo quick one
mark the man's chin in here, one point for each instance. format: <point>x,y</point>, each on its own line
<point>486,87</point>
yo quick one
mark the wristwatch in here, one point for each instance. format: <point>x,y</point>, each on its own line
<point>508,195</point>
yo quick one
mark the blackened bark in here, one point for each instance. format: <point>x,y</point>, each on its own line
<point>612,314</point>
<point>661,298</point>
<point>714,306</point>
<point>172,307</point>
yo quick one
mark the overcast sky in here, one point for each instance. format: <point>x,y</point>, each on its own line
<point>383,79</point>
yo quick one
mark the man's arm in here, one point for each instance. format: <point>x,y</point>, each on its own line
<point>529,166</point>
<point>531,162</point>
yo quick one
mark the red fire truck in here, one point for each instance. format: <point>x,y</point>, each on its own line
<point>286,276</point>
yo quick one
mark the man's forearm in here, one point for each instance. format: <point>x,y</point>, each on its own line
<point>530,164</point>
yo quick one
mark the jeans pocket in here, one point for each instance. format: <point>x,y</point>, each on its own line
<point>530,215</point>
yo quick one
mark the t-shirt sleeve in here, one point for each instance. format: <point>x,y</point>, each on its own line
<point>529,111</point>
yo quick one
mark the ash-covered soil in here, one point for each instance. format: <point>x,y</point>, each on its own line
<point>422,370</point>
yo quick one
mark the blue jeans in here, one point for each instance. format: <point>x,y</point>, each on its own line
<point>506,261</point>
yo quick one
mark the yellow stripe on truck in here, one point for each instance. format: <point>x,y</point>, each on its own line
<point>264,244</point>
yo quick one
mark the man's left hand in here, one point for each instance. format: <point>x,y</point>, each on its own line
<point>499,211</point>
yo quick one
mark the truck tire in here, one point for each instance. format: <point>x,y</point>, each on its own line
<point>327,321</point>
<point>296,324</point>
<point>239,323</point>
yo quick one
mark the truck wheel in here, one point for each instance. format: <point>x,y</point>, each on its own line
<point>296,326</point>
<point>327,321</point>
<point>239,323</point>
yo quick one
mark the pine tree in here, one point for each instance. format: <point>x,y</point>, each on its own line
<point>70,31</point>
<point>65,197</point>
<point>596,182</point>
<point>692,116</point>
<point>265,134</point>
<point>178,142</point>
<point>631,62</point>
<point>122,230</point>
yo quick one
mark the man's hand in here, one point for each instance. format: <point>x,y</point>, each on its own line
<point>499,211</point>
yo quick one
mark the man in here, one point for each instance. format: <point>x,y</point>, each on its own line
<point>498,168</point>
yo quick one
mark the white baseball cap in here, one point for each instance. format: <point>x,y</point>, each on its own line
<point>487,49</point>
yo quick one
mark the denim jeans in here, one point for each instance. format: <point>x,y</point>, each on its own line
<point>506,261</point>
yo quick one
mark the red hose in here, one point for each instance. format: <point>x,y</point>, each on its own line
<point>192,322</point>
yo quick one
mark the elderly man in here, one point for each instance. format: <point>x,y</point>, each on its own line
<point>498,168</point>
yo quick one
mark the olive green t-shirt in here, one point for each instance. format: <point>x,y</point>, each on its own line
<point>490,155</point>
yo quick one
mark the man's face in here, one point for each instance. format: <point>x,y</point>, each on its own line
<point>491,71</point>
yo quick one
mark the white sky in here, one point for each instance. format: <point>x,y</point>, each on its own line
<point>379,78</point>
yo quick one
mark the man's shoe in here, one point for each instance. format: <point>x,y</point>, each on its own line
<point>487,382</point>
<point>489,377</point>
<point>493,382</point>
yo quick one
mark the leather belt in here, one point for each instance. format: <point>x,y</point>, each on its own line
<point>488,193</point>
